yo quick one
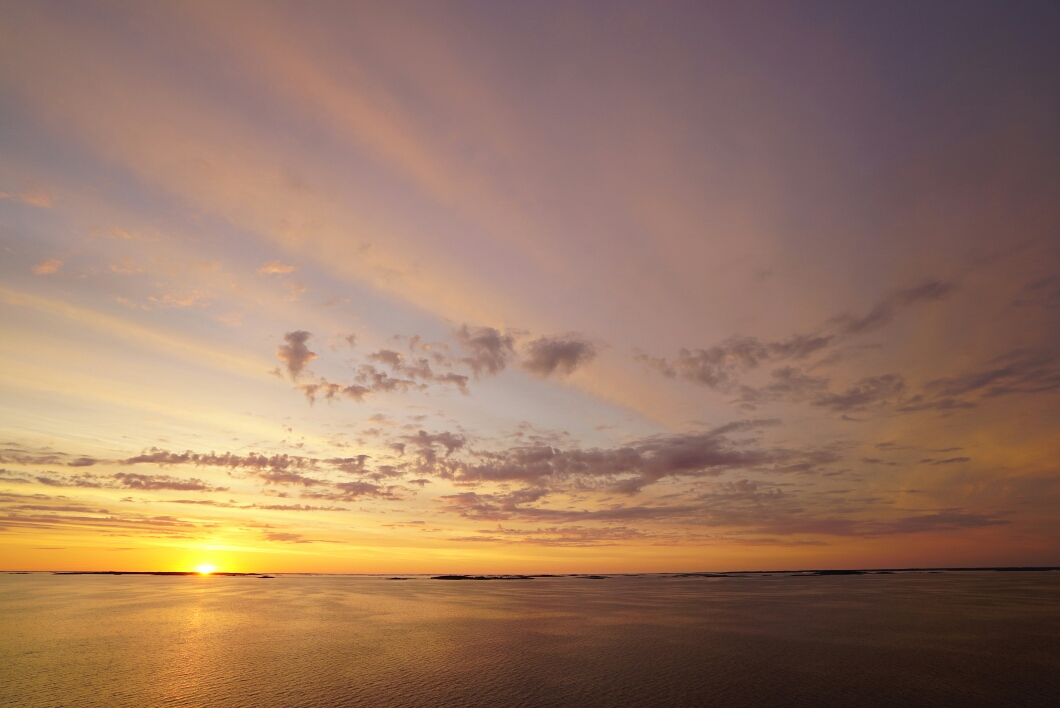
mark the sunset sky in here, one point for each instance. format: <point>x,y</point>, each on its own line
<point>529,287</point>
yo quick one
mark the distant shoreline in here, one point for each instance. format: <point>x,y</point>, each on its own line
<point>600,576</point>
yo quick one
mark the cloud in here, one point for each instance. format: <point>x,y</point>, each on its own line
<point>103,522</point>
<point>155,482</point>
<point>919,403</point>
<point>254,461</point>
<point>15,477</point>
<point>1020,371</point>
<point>349,465</point>
<point>558,536</point>
<point>265,507</point>
<point>180,299</point>
<point>788,384</point>
<point>719,366</point>
<point>272,469</point>
<point>294,290</point>
<point>332,391</point>
<point>126,267</point>
<point>547,355</point>
<point>370,379</point>
<point>232,319</point>
<point>39,457</point>
<point>417,369</point>
<point>947,461</point>
<point>117,233</point>
<point>276,268</point>
<point>295,354</point>
<point>626,469</point>
<point>288,478</point>
<point>869,391</point>
<point>949,520</point>
<point>425,444</point>
<point>495,507</point>
<point>285,537</point>
<point>48,267</point>
<point>489,351</point>
<point>380,381</point>
<point>123,480</point>
<point>1044,292</point>
<point>350,491</point>
<point>886,310</point>
<point>34,196</point>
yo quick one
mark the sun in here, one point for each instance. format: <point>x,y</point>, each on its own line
<point>206,569</point>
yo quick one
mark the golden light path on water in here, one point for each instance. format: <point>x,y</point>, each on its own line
<point>917,640</point>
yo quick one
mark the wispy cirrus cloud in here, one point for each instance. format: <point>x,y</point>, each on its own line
<point>276,268</point>
<point>49,266</point>
<point>34,195</point>
<point>123,480</point>
<point>721,366</point>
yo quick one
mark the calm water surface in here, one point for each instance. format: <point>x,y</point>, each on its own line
<point>952,639</point>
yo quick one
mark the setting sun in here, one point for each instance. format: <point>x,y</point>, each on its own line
<point>205,569</point>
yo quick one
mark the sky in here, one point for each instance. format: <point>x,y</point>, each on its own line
<point>529,287</point>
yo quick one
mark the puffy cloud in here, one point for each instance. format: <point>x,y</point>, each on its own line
<point>378,381</point>
<point>350,465</point>
<point>332,391</point>
<point>489,351</point>
<point>295,354</point>
<point>350,491</point>
<point>425,443</point>
<point>717,366</point>
<point>547,355</point>
<point>408,375</point>
<point>287,478</point>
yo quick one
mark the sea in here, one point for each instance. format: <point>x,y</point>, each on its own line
<point>975,638</point>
